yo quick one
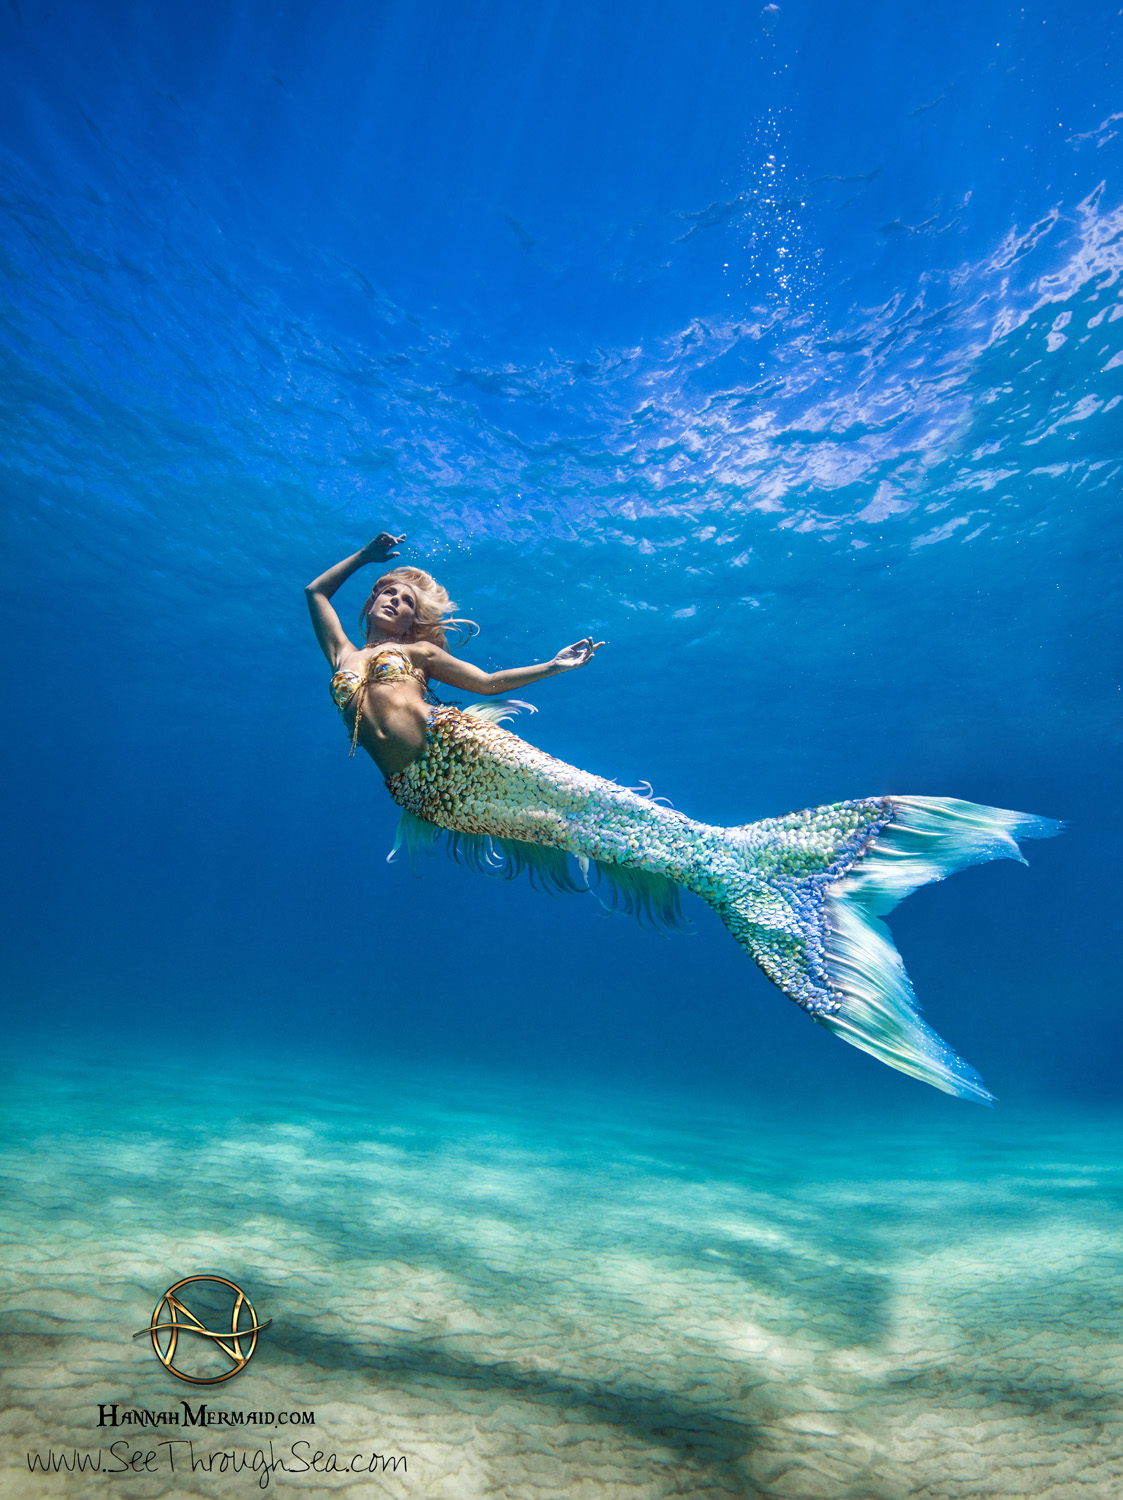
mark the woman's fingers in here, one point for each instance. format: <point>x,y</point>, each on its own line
<point>586,648</point>
<point>383,543</point>
<point>579,653</point>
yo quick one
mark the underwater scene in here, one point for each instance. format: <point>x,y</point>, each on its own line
<point>533,1103</point>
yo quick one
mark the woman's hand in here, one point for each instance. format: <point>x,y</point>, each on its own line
<point>576,655</point>
<point>379,549</point>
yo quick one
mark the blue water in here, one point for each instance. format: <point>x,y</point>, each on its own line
<point>780,347</point>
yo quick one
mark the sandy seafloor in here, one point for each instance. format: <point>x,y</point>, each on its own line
<point>535,1291</point>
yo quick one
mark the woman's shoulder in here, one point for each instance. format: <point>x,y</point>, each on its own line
<point>425,653</point>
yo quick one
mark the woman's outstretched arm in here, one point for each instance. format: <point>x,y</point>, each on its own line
<point>462,674</point>
<point>334,640</point>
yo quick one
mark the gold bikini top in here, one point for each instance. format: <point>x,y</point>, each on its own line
<point>386,665</point>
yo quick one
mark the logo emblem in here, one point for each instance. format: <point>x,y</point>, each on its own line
<point>204,1351</point>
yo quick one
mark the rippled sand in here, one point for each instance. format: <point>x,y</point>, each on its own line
<point>535,1294</point>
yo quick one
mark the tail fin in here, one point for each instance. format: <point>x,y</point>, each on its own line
<point>809,915</point>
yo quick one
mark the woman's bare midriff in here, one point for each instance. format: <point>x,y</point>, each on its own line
<point>395,723</point>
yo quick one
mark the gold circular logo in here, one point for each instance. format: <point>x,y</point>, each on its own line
<point>204,1349</point>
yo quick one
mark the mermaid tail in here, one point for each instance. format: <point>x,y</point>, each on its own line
<point>803,894</point>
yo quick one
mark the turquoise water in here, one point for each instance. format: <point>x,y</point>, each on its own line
<point>532,1291</point>
<point>781,348</point>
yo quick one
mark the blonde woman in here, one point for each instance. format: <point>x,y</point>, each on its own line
<point>803,894</point>
<point>381,687</point>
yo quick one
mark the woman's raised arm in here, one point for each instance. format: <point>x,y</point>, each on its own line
<point>462,674</point>
<point>334,640</point>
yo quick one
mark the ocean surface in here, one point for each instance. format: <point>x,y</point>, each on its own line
<point>779,346</point>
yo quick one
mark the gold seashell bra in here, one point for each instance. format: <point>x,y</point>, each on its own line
<point>386,665</point>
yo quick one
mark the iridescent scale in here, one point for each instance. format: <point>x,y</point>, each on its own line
<point>803,893</point>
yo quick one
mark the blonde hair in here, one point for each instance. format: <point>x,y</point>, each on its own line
<point>433,615</point>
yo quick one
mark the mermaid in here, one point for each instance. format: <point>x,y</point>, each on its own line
<point>803,894</point>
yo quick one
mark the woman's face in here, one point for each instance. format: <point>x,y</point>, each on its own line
<point>394,610</point>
